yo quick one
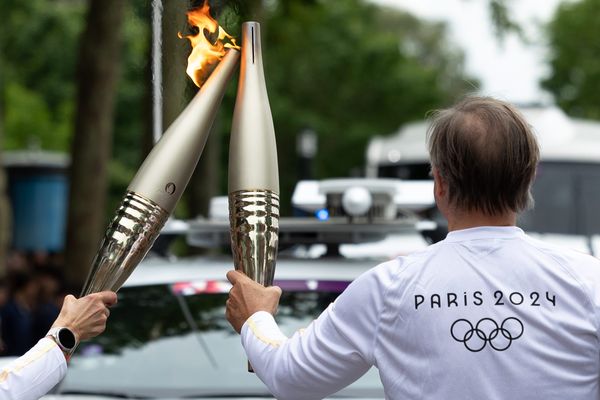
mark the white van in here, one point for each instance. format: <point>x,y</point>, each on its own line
<point>567,186</point>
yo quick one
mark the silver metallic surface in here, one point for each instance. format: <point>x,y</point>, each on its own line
<point>130,235</point>
<point>253,171</point>
<point>254,221</point>
<point>166,171</point>
<point>252,148</point>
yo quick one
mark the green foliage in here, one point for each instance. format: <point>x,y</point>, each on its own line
<point>575,58</point>
<point>29,123</point>
<point>502,21</point>
<point>346,69</point>
<point>38,48</point>
<point>350,70</point>
<point>38,43</point>
<point>132,113</point>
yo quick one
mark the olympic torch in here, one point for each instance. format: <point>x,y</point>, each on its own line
<point>253,171</point>
<point>154,191</point>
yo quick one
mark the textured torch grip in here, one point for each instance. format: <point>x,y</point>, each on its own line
<point>129,237</point>
<point>254,220</point>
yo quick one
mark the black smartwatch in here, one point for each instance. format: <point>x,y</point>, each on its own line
<point>64,338</point>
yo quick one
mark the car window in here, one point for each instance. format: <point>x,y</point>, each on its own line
<point>414,171</point>
<point>566,197</point>
<point>173,340</point>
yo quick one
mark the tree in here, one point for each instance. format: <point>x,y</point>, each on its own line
<point>97,74</point>
<point>347,69</point>
<point>502,20</point>
<point>5,214</point>
<point>575,58</point>
<point>176,84</point>
<point>38,45</point>
<point>350,70</point>
<point>132,125</point>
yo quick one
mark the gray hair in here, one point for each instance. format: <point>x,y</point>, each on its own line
<point>487,153</point>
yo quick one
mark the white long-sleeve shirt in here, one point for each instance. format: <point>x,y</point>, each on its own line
<point>36,372</point>
<point>488,313</point>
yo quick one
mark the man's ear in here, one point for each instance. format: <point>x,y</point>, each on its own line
<point>440,188</point>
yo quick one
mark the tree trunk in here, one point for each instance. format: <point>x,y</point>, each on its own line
<point>205,181</point>
<point>5,218</point>
<point>5,211</point>
<point>174,60</point>
<point>97,75</point>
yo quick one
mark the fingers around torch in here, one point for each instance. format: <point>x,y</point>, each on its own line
<point>276,290</point>
<point>229,314</point>
<point>235,276</point>
<point>108,298</point>
<point>69,299</point>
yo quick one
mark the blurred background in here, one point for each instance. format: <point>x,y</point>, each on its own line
<point>76,100</point>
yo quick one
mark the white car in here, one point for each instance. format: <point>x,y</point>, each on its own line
<point>167,338</point>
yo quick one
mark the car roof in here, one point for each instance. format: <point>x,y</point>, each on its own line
<point>561,139</point>
<point>158,270</point>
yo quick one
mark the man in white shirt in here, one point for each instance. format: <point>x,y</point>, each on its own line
<point>41,368</point>
<point>487,313</point>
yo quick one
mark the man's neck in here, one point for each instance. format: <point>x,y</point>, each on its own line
<point>465,220</point>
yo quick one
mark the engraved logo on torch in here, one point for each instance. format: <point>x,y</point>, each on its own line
<point>170,188</point>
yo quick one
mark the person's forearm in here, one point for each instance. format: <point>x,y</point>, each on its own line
<point>334,350</point>
<point>311,364</point>
<point>36,372</point>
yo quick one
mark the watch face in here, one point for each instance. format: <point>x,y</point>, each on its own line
<point>66,338</point>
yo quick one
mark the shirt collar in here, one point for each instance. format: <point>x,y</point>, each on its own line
<point>485,232</point>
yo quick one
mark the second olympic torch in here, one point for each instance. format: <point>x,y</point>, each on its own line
<point>253,171</point>
<point>159,183</point>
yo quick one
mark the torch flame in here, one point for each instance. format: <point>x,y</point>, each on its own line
<point>207,45</point>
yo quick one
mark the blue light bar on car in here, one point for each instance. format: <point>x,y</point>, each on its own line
<point>322,214</point>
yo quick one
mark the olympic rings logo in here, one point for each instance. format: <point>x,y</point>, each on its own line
<point>475,338</point>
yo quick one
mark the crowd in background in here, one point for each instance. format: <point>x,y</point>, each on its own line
<point>31,296</point>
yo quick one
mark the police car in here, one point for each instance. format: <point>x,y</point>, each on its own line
<point>167,338</point>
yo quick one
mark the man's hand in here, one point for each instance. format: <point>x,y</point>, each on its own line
<point>247,297</point>
<point>86,316</point>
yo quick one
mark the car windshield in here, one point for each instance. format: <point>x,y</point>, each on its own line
<point>174,341</point>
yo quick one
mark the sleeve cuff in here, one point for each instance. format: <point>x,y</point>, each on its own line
<point>258,317</point>
<point>55,351</point>
<point>261,326</point>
